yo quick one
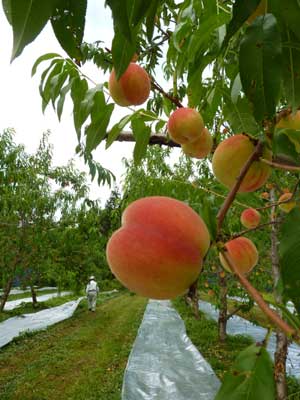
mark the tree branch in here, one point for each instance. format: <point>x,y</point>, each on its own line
<point>281,166</point>
<point>154,139</point>
<point>256,296</point>
<point>254,229</point>
<point>231,195</point>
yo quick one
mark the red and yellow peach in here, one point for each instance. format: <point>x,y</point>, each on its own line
<point>250,218</point>
<point>185,125</point>
<point>159,249</point>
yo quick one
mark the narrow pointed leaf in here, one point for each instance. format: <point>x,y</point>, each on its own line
<point>289,250</point>
<point>260,66</point>
<point>28,19</point>
<point>141,134</point>
<point>68,24</point>
<point>241,11</point>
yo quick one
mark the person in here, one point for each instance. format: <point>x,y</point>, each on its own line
<point>92,291</point>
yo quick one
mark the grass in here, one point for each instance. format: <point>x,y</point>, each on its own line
<point>204,334</point>
<point>82,358</point>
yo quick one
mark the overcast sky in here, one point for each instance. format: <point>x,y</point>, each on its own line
<point>20,102</point>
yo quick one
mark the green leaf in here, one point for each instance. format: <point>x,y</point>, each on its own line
<point>251,377</point>
<point>28,18</point>
<point>61,100</point>
<point>289,250</point>
<point>241,11</point>
<point>68,24</point>
<point>141,133</point>
<point>282,146</point>
<point>120,17</point>
<point>78,91</point>
<point>260,66</point>
<point>201,36</point>
<point>46,94</point>
<point>100,117</point>
<point>6,4</point>
<point>44,57</point>
<point>240,117</point>
<point>291,68</point>
<point>290,12</point>
<point>137,10</point>
<point>122,52</point>
<point>159,126</point>
<point>151,18</point>
<point>116,129</point>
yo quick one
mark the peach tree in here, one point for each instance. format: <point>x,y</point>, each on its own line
<point>228,89</point>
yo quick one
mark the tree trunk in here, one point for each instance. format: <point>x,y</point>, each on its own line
<point>6,292</point>
<point>192,299</point>
<point>33,295</point>
<point>281,338</point>
<point>222,320</point>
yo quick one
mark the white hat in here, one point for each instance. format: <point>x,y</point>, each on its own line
<point>91,278</point>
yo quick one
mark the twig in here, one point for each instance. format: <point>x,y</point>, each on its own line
<point>231,195</point>
<point>286,167</point>
<point>254,229</point>
<point>256,296</point>
<point>154,139</point>
<point>274,204</point>
<point>174,100</point>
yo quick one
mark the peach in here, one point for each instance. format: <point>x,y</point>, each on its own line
<point>292,121</point>
<point>185,125</point>
<point>158,250</point>
<point>250,218</point>
<point>289,205</point>
<point>242,253</point>
<point>133,87</point>
<point>230,157</point>
<point>201,147</point>
<point>265,195</point>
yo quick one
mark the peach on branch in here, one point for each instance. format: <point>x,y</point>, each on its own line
<point>201,147</point>
<point>250,218</point>
<point>185,125</point>
<point>288,205</point>
<point>242,253</point>
<point>158,250</point>
<point>133,87</point>
<point>230,157</point>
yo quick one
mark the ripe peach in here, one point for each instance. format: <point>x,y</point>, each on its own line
<point>250,218</point>
<point>288,206</point>
<point>201,147</point>
<point>132,89</point>
<point>292,121</point>
<point>185,125</point>
<point>265,195</point>
<point>230,157</point>
<point>159,249</point>
<point>242,253</point>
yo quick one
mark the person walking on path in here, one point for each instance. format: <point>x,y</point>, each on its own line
<point>92,291</point>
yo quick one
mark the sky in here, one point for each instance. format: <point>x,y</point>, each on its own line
<point>20,102</point>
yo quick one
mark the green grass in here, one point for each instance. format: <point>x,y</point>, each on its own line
<point>82,358</point>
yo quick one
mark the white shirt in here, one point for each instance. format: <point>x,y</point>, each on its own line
<point>92,286</point>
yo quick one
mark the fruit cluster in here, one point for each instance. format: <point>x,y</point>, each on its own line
<point>159,250</point>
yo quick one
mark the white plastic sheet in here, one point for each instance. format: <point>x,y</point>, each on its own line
<point>240,326</point>
<point>12,327</point>
<point>19,291</point>
<point>164,364</point>
<point>10,305</point>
